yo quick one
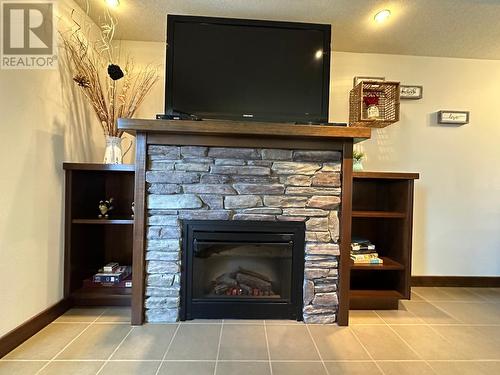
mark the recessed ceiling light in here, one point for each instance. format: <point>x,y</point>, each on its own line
<point>319,54</point>
<point>113,3</point>
<point>382,16</point>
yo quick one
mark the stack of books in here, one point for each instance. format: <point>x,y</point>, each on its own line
<point>363,251</point>
<point>112,274</point>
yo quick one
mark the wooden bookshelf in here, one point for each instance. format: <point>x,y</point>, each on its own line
<point>91,242</point>
<point>382,212</point>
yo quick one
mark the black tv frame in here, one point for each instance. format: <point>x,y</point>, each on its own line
<point>324,28</point>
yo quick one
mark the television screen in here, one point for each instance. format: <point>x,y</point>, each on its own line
<point>236,69</point>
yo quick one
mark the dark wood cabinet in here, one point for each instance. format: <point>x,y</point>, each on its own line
<point>91,242</point>
<point>382,212</point>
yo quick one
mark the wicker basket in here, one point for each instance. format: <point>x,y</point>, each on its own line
<point>388,104</point>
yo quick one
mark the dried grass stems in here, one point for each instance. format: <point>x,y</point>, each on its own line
<point>89,61</point>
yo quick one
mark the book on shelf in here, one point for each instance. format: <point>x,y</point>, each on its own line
<point>360,241</point>
<point>126,283</point>
<point>368,261</point>
<point>120,274</point>
<point>111,267</point>
<point>363,251</point>
<point>363,247</point>
<point>364,256</point>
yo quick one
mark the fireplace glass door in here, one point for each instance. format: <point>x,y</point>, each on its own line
<point>242,269</point>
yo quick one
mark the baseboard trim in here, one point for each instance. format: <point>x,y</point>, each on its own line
<point>23,332</point>
<point>457,281</point>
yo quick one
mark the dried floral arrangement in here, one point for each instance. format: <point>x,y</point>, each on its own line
<point>113,92</point>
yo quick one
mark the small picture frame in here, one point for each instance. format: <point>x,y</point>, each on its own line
<point>359,79</point>
<point>453,117</point>
<point>411,92</point>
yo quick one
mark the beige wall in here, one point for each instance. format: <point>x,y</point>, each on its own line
<point>40,127</point>
<point>457,201</point>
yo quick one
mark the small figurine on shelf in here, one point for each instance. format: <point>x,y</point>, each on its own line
<point>133,210</point>
<point>372,110</point>
<point>105,207</point>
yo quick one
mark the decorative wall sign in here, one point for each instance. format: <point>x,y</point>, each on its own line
<point>411,92</point>
<point>359,79</point>
<point>453,117</point>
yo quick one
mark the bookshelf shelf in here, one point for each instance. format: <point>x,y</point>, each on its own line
<point>382,212</point>
<point>379,214</point>
<point>388,265</point>
<point>104,221</point>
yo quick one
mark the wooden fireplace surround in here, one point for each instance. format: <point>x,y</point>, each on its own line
<point>240,134</point>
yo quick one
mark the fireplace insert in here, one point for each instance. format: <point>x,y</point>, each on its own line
<point>242,270</point>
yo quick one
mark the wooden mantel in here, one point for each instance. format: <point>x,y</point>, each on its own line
<point>244,129</point>
<point>217,133</point>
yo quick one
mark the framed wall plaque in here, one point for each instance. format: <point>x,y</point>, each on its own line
<point>411,92</point>
<point>453,117</point>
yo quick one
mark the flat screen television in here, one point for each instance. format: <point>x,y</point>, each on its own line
<point>235,69</point>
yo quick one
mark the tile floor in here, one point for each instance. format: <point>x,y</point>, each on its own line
<point>440,331</point>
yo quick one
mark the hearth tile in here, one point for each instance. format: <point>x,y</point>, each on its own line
<point>146,342</point>
<point>432,293</point>
<point>462,294</point>
<point>399,317</point>
<point>429,313</point>
<point>20,367</point>
<point>352,368</point>
<point>78,315</point>
<point>243,342</point>
<point>473,313</point>
<point>298,368</point>
<point>97,342</point>
<point>195,341</point>
<point>406,368</point>
<point>130,367</point>
<point>337,343</point>
<point>288,342</point>
<point>466,368</point>
<point>471,341</point>
<point>281,322</point>
<point>202,321</point>
<point>427,343</point>
<point>243,368</point>
<point>72,367</point>
<point>489,332</point>
<point>115,314</point>
<point>364,317</point>
<point>187,368</point>
<point>244,321</point>
<point>489,294</point>
<point>382,343</point>
<point>48,342</point>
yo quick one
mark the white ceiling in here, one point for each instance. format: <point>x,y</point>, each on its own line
<point>448,28</point>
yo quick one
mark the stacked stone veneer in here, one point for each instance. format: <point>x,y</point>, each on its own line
<point>222,183</point>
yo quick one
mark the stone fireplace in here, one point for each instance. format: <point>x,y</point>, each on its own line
<point>238,171</point>
<point>243,184</point>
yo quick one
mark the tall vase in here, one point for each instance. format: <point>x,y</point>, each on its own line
<point>113,152</point>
